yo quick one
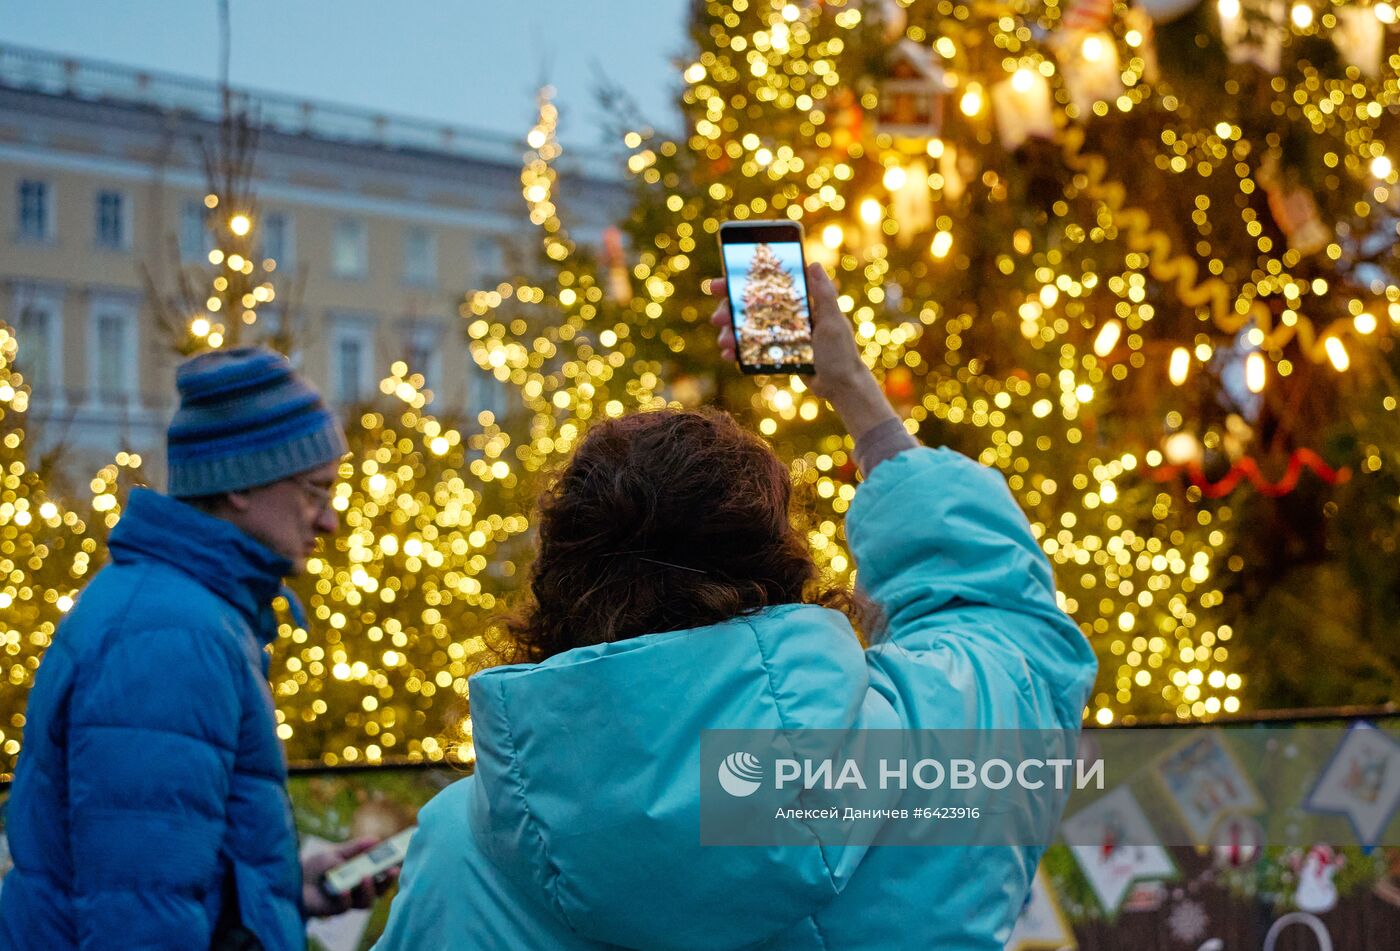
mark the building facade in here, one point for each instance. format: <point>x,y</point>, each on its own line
<point>378,226</point>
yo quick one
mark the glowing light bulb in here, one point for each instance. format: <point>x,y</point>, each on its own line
<point>1365,323</point>
<point>1179,365</point>
<point>199,327</point>
<point>1108,338</point>
<point>941,245</point>
<point>1385,13</point>
<point>870,211</point>
<point>1381,166</point>
<point>1337,353</point>
<point>240,225</point>
<point>1255,372</point>
<point>1181,448</point>
<point>1229,9</point>
<point>1302,16</point>
<point>1021,80</point>
<point>971,102</point>
<point>1093,48</point>
<point>895,177</point>
<point>935,148</point>
<point>832,236</point>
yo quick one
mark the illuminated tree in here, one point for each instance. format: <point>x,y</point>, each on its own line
<point>1148,270</point>
<point>432,535</point>
<point>47,550</point>
<point>404,604</point>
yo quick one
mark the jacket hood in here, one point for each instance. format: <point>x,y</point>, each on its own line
<point>587,789</point>
<point>214,552</point>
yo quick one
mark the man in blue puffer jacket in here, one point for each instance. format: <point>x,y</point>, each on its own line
<point>149,808</point>
<point>665,603</point>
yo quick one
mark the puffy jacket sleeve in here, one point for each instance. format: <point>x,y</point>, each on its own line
<point>151,749</point>
<point>968,598</point>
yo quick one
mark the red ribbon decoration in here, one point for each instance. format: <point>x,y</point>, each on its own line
<point>1248,468</point>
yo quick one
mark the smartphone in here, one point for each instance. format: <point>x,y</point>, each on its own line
<point>371,863</point>
<point>766,273</point>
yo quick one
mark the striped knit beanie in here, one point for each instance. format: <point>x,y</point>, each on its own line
<point>245,419</point>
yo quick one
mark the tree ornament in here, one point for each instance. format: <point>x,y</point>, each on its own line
<point>899,384</point>
<point>1087,15</point>
<point>913,93</point>
<point>1253,31</point>
<point>1023,108</point>
<point>1165,11</point>
<point>894,19</point>
<point>1294,210</point>
<point>1360,39</point>
<point>911,204</point>
<point>1089,63</point>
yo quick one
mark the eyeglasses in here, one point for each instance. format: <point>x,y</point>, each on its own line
<point>319,496</point>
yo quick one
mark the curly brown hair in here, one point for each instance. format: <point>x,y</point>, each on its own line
<point>661,521</point>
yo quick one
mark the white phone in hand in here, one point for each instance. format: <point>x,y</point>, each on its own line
<point>371,863</point>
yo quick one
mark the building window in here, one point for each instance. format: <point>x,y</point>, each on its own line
<point>276,231</point>
<point>38,333</point>
<point>488,258</point>
<point>35,210</point>
<point>350,248</point>
<point>423,351</point>
<point>419,256</point>
<point>352,355</point>
<point>111,220</point>
<point>485,393</point>
<point>113,370</point>
<point>195,240</point>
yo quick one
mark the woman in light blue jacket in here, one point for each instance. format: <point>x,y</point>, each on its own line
<point>672,596</point>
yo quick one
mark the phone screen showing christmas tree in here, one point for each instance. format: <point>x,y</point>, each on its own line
<point>765,271</point>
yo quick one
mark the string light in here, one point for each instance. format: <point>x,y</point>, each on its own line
<point>1255,371</point>
<point>1180,366</point>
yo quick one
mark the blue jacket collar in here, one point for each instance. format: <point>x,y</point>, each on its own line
<point>215,552</point>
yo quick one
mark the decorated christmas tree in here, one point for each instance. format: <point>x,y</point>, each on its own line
<point>48,548</point>
<point>1142,259</point>
<point>432,535</point>
<point>775,326</point>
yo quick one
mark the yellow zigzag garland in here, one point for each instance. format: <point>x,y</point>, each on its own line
<point>1182,270</point>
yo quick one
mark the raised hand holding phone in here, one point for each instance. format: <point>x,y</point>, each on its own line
<point>767,292</point>
<point>839,374</point>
